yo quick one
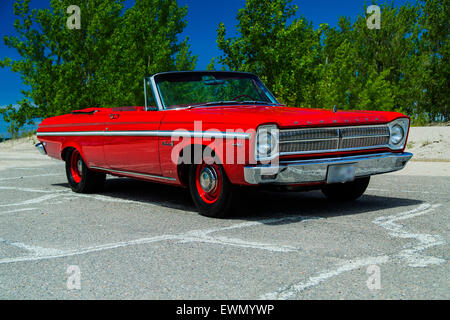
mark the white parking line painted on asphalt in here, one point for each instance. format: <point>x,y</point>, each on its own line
<point>69,253</point>
<point>201,235</point>
<point>240,243</point>
<point>406,191</point>
<point>32,201</point>
<point>32,176</point>
<point>205,232</point>
<point>31,190</point>
<point>292,291</point>
<point>111,199</point>
<point>412,255</point>
<point>69,194</point>
<point>17,210</point>
<point>33,165</point>
<point>35,250</point>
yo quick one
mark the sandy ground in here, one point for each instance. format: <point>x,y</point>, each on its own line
<point>22,144</point>
<point>429,143</point>
<point>22,153</point>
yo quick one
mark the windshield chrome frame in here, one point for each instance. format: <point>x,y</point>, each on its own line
<point>159,100</point>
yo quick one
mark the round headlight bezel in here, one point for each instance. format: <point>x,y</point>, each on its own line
<point>265,147</point>
<point>397,134</point>
<point>397,127</point>
<point>266,144</point>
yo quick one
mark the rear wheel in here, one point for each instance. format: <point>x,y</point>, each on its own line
<point>81,179</point>
<point>346,191</point>
<point>210,188</point>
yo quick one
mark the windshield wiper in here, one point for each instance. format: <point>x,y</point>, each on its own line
<point>262,102</point>
<point>216,103</point>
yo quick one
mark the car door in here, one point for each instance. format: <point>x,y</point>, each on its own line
<point>131,140</point>
<point>89,125</point>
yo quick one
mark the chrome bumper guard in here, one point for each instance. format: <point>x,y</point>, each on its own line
<point>316,170</point>
<point>41,148</point>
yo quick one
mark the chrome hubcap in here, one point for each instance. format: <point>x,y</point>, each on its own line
<point>79,166</point>
<point>208,179</point>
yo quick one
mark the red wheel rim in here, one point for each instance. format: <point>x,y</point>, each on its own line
<point>76,166</point>
<point>208,179</point>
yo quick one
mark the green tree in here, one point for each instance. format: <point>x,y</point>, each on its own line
<point>339,84</point>
<point>435,47</point>
<point>143,46</point>
<point>101,64</point>
<point>285,55</point>
<point>371,68</point>
<point>403,66</point>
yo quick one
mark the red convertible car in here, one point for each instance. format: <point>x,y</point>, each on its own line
<point>212,131</point>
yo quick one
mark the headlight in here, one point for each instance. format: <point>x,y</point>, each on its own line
<point>397,134</point>
<point>266,144</point>
<point>398,130</point>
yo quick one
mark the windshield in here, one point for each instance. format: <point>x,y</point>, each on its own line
<point>201,89</point>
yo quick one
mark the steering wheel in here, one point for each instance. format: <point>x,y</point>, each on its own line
<point>243,95</point>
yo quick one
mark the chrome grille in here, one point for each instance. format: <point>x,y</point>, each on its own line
<point>305,146</point>
<point>307,134</point>
<point>316,140</point>
<point>364,131</point>
<point>363,142</point>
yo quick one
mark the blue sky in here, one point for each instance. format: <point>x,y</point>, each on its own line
<point>203,18</point>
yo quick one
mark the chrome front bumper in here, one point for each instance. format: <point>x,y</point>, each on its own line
<point>41,148</point>
<point>316,170</point>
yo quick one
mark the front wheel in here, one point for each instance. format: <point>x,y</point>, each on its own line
<point>346,191</point>
<point>81,179</point>
<point>210,189</point>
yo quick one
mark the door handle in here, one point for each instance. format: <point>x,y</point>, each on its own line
<point>114,116</point>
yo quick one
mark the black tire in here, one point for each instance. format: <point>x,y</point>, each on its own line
<point>341,192</point>
<point>86,181</point>
<point>220,203</point>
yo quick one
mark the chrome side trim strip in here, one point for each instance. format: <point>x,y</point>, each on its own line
<point>173,134</point>
<point>70,133</point>
<point>144,175</point>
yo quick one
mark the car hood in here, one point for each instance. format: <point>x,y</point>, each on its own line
<point>287,117</point>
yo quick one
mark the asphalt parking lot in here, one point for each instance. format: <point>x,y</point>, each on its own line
<point>139,240</point>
